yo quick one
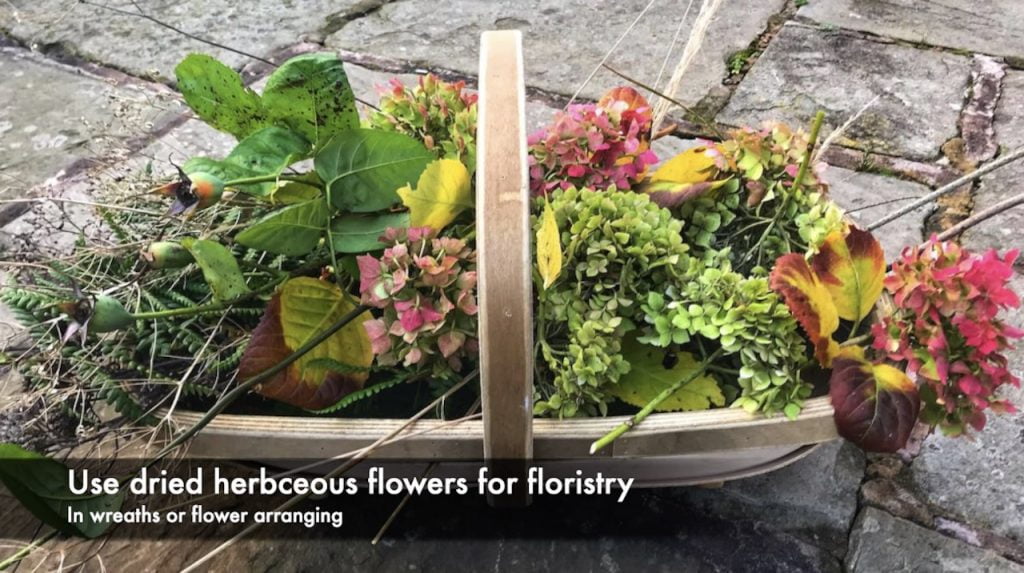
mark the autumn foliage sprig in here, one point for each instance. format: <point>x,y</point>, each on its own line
<point>947,329</point>
<point>425,286</point>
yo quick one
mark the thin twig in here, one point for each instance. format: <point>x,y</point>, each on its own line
<point>693,44</point>
<point>244,387</point>
<point>972,176</point>
<point>672,46</point>
<point>334,473</point>
<point>881,203</point>
<point>980,216</point>
<point>24,551</point>
<point>611,50</point>
<point>401,505</point>
<point>80,202</point>
<point>836,133</point>
<point>189,35</point>
<point>689,111</point>
<point>474,407</point>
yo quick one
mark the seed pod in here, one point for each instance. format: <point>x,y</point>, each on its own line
<point>108,315</point>
<point>207,188</point>
<point>166,255</point>
<point>196,191</point>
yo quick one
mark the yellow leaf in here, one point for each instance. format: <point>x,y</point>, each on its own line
<point>690,166</point>
<point>686,176</point>
<point>809,302</point>
<point>852,267</point>
<point>549,247</point>
<point>442,192</point>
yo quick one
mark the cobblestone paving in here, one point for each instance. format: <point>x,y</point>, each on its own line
<point>84,98</point>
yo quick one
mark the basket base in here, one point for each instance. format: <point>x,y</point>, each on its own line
<point>649,472</point>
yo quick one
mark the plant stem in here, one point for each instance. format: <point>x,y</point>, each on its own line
<point>24,551</point>
<point>646,410</point>
<point>270,178</point>
<point>213,306</point>
<point>244,387</point>
<point>855,340</point>
<point>805,163</point>
<point>972,176</point>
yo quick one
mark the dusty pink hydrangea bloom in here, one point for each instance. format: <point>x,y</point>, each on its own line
<point>426,287</point>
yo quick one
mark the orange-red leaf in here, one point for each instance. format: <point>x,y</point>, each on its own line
<point>809,302</point>
<point>851,266</point>
<point>876,405</point>
<point>303,308</point>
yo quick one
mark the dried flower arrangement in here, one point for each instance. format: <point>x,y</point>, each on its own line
<point>721,277</point>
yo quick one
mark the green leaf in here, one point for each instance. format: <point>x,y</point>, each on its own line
<point>359,233</point>
<point>265,152</point>
<point>293,230</point>
<point>292,192</point>
<point>222,169</point>
<point>218,96</point>
<point>647,377</point>
<point>311,95</point>
<point>364,168</point>
<point>41,485</point>
<point>220,269</point>
<point>269,150</point>
<point>303,308</point>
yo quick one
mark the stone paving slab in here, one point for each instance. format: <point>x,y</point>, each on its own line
<point>1004,230</point>
<point>981,480</point>
<point>805,70</point>
<point>52,115</point>
<point>993,27</point>
<point>563,41</point>
<point>881,542</point>
<point>814,499</point>
<point>855,191</point>
<point>145,49</point>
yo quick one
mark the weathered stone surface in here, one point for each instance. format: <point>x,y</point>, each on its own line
<point>1004,230</point>
<point>881,542</point>
<point>976,127</point>
<point>981,480</point>
<point>997,27</point>
<point>52,115</point>
<point>855,191</point>
<point>892,497</point>
<point>814,499</point>
<point>563,41</point>
<point>805,69</point>
<point>144,49</point>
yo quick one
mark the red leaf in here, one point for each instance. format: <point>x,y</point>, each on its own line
<point>876,405</point>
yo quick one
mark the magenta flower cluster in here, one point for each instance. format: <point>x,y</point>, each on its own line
<point>594,145</point>
<point>947,329</point>
<point>426,287</point>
